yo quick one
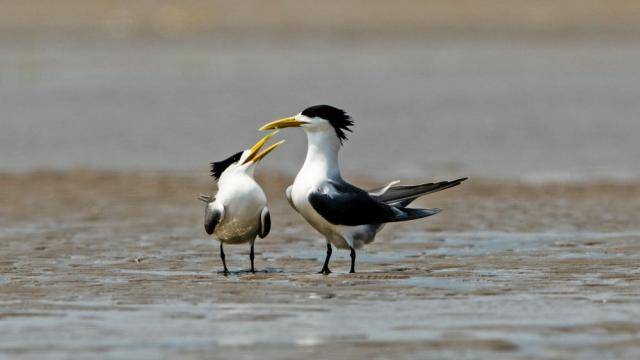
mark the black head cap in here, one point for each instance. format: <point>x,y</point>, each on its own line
<point>217,168</point>
<point>338,118</point>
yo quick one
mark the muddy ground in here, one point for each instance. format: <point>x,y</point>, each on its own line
<point>114,264</point>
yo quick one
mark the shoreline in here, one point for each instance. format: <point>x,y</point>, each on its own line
<point>63,194</point>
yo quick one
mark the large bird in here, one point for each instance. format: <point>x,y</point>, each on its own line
<point>238,213</point>
<point>347,216</point>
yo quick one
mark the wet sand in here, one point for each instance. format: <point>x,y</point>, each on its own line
<point>116,264</point>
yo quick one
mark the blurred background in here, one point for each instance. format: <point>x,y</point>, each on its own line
<point>533,90</point>
<point>112,110</point>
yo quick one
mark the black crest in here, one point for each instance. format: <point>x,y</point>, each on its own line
<point>337,117</point>
<point>217,168</point>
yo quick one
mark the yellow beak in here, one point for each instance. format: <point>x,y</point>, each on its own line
<point>282,123</point>
<point>254,153</point>
<point>267,151</point>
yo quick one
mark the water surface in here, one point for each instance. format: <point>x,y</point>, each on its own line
<point>513,108</point>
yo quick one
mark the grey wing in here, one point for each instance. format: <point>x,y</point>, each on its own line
<point>287,193</point>
<point>265,223</point>
<point>403,195</point>
<point>341,203</point>
<point>212,216</point>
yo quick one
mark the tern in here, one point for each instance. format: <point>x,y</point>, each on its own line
<point>238,212</point>
<point>346,215</point>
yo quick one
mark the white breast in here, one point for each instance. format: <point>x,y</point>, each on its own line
<point>321,164</point>
<point>306,182</point>
<point>243,200</point>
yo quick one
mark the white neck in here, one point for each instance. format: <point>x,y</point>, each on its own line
<point>322,154</point>
<point>230,176</point>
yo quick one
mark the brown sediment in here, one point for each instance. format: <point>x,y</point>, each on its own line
<point>506,270</point>
<point>478,204</point>
<point>129,18</point>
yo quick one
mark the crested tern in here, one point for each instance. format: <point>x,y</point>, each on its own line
<point>238,212</point>
<point>346,215</point>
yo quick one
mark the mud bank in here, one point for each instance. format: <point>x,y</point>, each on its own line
<point>107,264</point>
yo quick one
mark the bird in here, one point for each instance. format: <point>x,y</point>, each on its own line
<point>238,212</point>
<point>347,216</point>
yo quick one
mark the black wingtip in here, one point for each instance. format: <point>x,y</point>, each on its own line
<point>457,181</point>
<point>414,214</point>
<point>453,183</point>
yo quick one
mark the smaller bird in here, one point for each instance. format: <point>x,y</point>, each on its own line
<point>238,212</point>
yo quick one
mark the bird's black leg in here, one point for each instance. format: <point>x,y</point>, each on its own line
<point>251,256</point>
<point>325,268</point>
<point>224,263</point>
<point>353,261</point>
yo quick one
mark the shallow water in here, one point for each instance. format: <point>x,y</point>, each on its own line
<point>496,294</point>
<point>538,109</point>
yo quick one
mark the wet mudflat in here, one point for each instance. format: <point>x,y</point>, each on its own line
<point>104,264</point>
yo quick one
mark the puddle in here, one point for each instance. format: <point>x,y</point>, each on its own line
<point>479,243</point>
<point>164,273</point>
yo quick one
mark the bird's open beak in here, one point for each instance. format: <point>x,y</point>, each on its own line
<point>266,151</point>
<point>256,155</point>
<point>282,123</point>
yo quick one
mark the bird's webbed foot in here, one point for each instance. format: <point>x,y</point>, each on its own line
<point>224,272</point>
